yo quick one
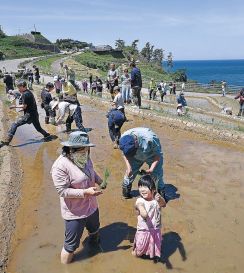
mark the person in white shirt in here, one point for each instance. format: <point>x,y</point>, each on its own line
<point>73,111</point>
<point>112,78</point>
<point>118,101</point>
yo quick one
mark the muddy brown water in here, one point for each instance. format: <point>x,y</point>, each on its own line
<point>203,226</point>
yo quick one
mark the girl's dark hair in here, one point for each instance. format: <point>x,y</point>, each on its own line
<point>65,151</point>
<point>147,181</point>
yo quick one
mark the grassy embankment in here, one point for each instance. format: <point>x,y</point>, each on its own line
<point>101,62</point>
<point>46,63</point>
<point>16,47</point>
<point>98,64</point>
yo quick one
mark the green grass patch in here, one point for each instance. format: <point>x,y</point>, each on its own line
<point>103,61</point>
<point>46,63</point>
<point>16,47</point>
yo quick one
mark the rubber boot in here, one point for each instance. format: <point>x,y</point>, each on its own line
<point>94,239</point>
<point>68,127</point>
<point>47,120</point>
<point>115,145</point>
<point>52,121</point>
<point>126,192</point>
<point>239,114</point>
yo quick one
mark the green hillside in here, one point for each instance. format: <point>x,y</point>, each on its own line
<point>17,47</point>
<point>102,62</point>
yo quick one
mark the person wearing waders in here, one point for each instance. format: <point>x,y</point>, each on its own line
<point>141,145</point>
<point>73,111</point>
<point>46,99</point>
<point>30,116</point>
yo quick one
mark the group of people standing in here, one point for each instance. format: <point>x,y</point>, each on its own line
<point>131,83</point>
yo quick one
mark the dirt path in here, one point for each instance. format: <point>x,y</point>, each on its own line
<point>202,228</point>
<point>12,65</point>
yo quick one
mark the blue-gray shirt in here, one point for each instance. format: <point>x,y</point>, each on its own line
<point>148,141</point>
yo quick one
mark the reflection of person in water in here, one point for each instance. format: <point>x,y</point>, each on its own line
<point>172,242</point>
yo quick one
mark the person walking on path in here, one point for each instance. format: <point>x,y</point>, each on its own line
<point>116,120</point>
<point>136,84</point>
<point>9,83</point>
<point>141,145</point>
<point>148,238</point>
<point>73,111</point>
<point>125,85</point>
<point>30,113</point>
<point>75,181</point>
<point>46,99</point>
<point>240,96</point>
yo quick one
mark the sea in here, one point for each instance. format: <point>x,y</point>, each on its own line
<point>204,71</point>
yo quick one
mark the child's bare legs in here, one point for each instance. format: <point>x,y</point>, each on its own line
<point>66,257</point>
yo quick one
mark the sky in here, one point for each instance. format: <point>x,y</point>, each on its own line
<point>190,29</point>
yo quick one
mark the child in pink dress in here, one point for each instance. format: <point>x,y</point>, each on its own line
<point>148,236</point>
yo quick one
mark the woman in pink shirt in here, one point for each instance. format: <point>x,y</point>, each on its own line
<point>74,178</point>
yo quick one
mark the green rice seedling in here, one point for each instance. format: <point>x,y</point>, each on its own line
<point>104,184</point>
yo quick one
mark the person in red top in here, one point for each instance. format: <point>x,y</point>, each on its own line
<point>240,96</point>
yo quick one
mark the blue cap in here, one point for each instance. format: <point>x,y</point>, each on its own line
<point>127,145</point>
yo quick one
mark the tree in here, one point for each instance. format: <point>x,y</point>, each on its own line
<point>2,34</point>
<point>134,45</point>
<point>147,51</point>
<point>180,75</point>
<point>158,56</point>
<point>170,60</point>
<point>119,44</point>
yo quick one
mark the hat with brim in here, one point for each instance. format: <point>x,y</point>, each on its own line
<point>78,139</point>
<point>53,104</point>
<point>127,145</point>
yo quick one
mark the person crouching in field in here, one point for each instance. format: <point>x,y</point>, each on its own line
<point>74,114</point>
<point>116,120</point>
